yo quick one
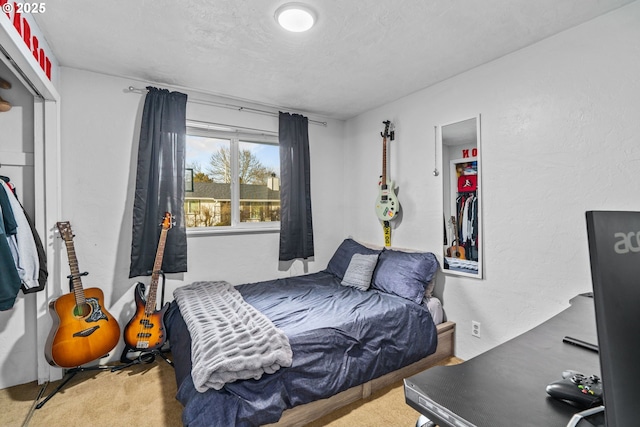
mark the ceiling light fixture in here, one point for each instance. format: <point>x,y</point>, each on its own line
<point>295,17</point>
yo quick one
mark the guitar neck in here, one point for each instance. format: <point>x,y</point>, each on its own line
<point>384,161</point>
<point>155,275</point>
<point>75,273</point>
<point>455,229</point>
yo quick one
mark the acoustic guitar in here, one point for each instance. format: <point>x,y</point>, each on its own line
<point>83,330</point>
<point>146,329</point>
<point>455,250</point>
<point>387,205</point>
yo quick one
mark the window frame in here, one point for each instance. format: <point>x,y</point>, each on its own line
<point>235,135</point>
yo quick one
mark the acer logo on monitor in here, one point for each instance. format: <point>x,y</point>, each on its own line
<point>627,242</point>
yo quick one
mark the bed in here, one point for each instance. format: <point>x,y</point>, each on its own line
<point>357,326</point>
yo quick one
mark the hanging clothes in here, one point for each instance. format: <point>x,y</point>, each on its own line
<point>28,286</point>
<point>467,223</point>
<point>9,278</point>
<point>25,247</point>
<point>43,273</point>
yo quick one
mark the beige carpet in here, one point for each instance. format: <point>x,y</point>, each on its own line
<point>144,395</point>
<point>141,395</point>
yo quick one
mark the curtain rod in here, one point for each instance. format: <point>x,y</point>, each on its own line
<point>229,106</point>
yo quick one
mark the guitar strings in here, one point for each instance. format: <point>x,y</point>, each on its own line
<point>142,321</point>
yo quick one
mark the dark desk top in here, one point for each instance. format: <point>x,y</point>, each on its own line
<point>506,386</point>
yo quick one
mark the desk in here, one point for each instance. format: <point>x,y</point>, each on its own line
<point>506,386</point>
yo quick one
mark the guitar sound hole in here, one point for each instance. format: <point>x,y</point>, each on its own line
<point>82,310</point>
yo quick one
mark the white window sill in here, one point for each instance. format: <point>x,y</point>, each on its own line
<point>213,231</point>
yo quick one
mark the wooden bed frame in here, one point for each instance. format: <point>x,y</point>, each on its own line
<point>304,414</point>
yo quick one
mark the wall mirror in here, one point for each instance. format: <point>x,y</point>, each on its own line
<point>462,213</point>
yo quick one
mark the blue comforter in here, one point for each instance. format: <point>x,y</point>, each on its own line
<point>340,337</point>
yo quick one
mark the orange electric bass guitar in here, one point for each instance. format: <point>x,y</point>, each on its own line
<point>82,329</point>
<point>146,330</point>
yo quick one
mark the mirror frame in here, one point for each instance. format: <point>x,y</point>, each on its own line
<point>457,149</point>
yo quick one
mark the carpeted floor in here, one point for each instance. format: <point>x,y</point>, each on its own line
<point>140,395</point>
<point>144,395</point>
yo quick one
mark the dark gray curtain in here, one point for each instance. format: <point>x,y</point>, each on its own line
<point>160,183</point>
<point>296,227</point>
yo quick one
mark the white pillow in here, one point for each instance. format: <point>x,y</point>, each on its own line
<point>360,271</point>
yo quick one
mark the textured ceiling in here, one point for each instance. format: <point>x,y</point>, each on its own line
<point>361,54</point>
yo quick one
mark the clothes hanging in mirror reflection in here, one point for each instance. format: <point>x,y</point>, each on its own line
<point>467,223</point>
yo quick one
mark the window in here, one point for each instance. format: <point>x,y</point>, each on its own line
<point>236,178</point>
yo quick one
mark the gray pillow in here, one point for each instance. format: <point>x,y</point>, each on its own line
<point>360,271</point>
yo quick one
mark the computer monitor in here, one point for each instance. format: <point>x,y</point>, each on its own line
<point>614,252</point>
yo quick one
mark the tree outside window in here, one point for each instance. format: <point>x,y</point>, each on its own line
<point>236,181</point>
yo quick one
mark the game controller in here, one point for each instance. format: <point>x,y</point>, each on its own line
<point>574,387</point>
<point>569,373</point>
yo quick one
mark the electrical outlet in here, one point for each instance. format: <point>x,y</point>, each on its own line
<point>475,328</point>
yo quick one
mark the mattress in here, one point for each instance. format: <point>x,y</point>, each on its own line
<point>434,305</point>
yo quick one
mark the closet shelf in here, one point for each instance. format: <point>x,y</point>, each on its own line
<point>13,158</point>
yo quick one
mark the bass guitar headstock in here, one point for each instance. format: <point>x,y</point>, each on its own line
<point>167,221</point>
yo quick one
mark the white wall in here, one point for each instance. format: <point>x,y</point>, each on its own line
<point>560,135</point>
<point>99,140</point>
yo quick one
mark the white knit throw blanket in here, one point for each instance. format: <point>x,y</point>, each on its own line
<point>230,339</point>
